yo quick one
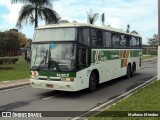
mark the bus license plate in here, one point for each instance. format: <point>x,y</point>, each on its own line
<point>49,85</point>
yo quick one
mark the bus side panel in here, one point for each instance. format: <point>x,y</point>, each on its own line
<point>82,79</point>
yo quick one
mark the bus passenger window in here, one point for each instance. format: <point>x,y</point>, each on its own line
<point>99,38</point>
<point>135,42</point>
<point>128,41</point>
<point>122,40</point>
<point>96,37</point>
<point>107,39</point>
<point>115,40</point>
<point>140,42</point>
<point>83,36</point>
<point>84,57</point>
<point>81,56</point>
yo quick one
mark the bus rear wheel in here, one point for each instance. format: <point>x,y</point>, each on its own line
<point>128,74</point>
<point>133,70</point>
<point>93,82</point>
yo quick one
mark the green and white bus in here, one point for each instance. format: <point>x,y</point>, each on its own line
<point>76,56</point>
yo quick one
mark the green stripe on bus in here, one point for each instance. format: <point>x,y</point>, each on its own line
<point>103,55</point>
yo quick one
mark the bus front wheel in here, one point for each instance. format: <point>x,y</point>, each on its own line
<point>93,82</point>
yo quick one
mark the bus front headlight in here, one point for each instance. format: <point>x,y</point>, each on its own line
<point>67,79</point>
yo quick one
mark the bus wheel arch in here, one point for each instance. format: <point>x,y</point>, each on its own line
<point>93,80</point>
<point>133,70</point>
<point>128,72</point>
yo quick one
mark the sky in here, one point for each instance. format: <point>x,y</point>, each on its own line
<point>141,15</point>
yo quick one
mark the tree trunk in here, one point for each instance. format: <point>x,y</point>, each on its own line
<point>36,17</point>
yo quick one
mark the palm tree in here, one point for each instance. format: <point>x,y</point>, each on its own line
<point>128,28</point>
<point>92,17</point>
<point>34,9</point>
<point>103,18</point>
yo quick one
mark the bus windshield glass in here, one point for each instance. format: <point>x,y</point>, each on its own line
<point>56,34</point>
<point>58,57</point>
<point>40,54</point>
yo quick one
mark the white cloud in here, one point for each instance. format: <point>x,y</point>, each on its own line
<point>140,14</point>
<point>13,11</point>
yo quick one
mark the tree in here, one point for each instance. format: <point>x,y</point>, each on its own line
<point>128,28</point>
<point>153,41</point>
<point>23,40</point>
<point>92,17</point>
<point>63,21</point>
<point>134,32</point>
<point>103,18</point>
<point>9,41</point>
<point>34,9</point>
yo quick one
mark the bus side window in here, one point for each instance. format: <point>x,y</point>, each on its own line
<point>99,38</point>
<point>96,37</point>
<point>123,41</point>
<point>83,36</point>
<point>106,39</point>
<point>83,57</point>
<point>115,40</point>
<point>128,41</point>
<point>140,42</point>
<point>135,42</point>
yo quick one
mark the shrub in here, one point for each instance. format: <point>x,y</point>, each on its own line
<point>145,52</point>
<point>8,60</point>
<point>153,52</point>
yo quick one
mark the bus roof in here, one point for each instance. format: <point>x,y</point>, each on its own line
<point>62,25</point>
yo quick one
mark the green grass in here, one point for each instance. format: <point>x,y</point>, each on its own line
<point>16,71</point>
<point>146,99</point>
<point>148,57</point>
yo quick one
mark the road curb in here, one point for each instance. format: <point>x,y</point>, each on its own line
<point>14,86</point>
<point>94,111</point>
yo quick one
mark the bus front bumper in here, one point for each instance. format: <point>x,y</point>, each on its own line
<point>54,85</point>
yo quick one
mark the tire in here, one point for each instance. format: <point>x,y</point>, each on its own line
<point>93,82</point>
<point>128,74</point>
<point>133,70</point>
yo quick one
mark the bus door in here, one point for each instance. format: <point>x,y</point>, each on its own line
<point>83,57</point>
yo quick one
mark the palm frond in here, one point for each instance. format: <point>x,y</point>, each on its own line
<point>92,17</point>
<point>35,2</point>
<point>25,12</point>
<point>49,15</point>
<point>21,1</point>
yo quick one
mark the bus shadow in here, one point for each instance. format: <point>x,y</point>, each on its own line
<point>73,95</point>
<point>85,92</point>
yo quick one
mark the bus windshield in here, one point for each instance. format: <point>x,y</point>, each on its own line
<point>56,34</point>
<point>58,57</point>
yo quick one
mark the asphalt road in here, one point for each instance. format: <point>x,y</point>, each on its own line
<point>32,99</point>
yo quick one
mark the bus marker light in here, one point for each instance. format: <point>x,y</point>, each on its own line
<point>69,79</point>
